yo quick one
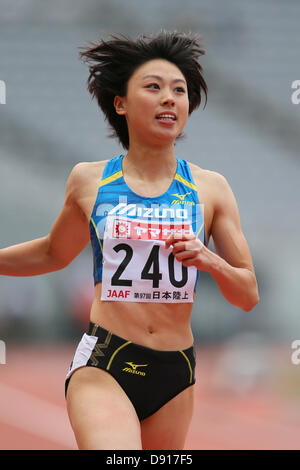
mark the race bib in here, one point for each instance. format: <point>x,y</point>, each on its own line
<point>138,268</point>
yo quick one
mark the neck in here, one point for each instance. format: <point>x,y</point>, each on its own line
<point>150,163</point>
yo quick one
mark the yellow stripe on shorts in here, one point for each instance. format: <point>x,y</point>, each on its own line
<point>116,351</point>
<point>189,365</point>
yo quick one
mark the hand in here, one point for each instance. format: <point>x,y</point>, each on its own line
<point>189,250</point>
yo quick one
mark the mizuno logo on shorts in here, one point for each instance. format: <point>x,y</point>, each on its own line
<point>133,368</point>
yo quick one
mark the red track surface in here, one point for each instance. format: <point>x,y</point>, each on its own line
<point>33,413</point>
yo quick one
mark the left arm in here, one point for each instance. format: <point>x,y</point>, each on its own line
<point>231,266</point>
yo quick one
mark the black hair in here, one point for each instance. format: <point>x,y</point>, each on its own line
<point>113,62</point>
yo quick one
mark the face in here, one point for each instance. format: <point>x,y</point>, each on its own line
<point>156,104</point>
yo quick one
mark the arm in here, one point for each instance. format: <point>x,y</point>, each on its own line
<point>231,266</point>
<point>67,238</point>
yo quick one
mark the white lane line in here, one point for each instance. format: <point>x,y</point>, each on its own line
<point>32,414</point>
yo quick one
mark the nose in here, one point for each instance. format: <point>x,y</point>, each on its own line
<point>170,101</point>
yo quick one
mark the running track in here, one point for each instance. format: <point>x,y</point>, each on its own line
<point>33,414</point>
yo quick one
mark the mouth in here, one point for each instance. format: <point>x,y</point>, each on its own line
<point>166,116</point>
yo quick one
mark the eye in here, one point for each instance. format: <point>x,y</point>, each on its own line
<point>180,89</point>
<point>153,84</point>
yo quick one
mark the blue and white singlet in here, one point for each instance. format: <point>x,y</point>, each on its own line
<point>128,234</point>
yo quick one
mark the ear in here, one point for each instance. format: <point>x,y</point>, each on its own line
<point>119,104</point>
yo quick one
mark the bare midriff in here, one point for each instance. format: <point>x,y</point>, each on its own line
<point>161,326</point>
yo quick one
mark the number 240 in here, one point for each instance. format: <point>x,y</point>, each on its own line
<point>152,261</point>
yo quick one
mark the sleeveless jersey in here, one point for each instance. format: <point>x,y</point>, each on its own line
<point>128,234</point>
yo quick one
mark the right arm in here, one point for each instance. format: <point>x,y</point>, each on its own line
<point>69,235</point>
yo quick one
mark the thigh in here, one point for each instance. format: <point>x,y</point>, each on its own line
<point>101,414</point>
<point>167,428</point>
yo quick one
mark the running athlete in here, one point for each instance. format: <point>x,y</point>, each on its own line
<point>149,216</point>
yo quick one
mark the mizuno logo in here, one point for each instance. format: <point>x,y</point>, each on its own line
<point>156,212</point>
<point>181,196</point>
<point>133,368</point>
<point>182,201</point>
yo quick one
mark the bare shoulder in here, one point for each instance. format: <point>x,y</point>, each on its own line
<point>214,182</point>
<point>209,175</point>
<point>82,172</point>
<point>221,196</point>
<point>83,175</point>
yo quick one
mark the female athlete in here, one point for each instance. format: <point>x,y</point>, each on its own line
<point>149,216</point>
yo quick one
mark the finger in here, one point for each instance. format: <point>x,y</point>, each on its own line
<point>173,238</point>
<point>183,255</point>
<point>168,241</point>
<point>188,245</point>
<point>179,246</point>
<point>189,262</point>
<point>178,236</point>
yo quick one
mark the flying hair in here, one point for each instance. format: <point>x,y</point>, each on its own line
<point>112,62</point>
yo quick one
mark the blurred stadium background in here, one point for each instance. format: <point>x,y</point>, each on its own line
<point>248,389</point>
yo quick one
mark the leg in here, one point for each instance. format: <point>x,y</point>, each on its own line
<point>168,427</point>
<point>101,414</point>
